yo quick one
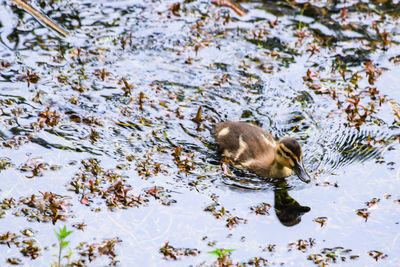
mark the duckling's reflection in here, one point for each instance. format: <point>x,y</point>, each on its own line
<point>287,209</point>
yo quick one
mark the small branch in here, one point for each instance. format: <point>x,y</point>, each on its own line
<point>39,16</point>
<point>230,4</point>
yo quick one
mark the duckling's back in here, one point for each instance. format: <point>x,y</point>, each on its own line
<point>246,145</point>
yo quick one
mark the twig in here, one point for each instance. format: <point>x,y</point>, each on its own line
<point>228,3</point>
<point>39,16</point>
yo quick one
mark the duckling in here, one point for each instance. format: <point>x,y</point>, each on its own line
<point>252,148</point>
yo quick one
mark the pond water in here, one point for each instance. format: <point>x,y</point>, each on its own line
<point>99,132</point>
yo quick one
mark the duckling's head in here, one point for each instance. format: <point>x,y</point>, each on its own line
<point>288,154</point>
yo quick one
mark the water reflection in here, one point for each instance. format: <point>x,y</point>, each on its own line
<point>287,209</point>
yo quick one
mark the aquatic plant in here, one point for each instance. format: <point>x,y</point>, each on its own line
<point>220,253</point>
<point>62,234</point>
<point>223,256</point>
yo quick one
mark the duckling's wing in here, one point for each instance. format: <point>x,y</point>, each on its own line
<point>245,143</point>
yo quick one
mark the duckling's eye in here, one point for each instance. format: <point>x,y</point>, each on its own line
<point>286,153</point>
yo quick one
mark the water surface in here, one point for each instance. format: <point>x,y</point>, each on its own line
<point>102,121</point>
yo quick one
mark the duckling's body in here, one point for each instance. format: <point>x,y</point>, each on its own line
<point>252,148</point>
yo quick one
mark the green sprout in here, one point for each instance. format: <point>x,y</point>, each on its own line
<point>61,235</point>
<point>220,253</point>
<point>224,257</point>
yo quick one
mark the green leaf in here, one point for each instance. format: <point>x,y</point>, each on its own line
<point>64,244</point>
<point>216,252</point>
<point>63,233</point>
<point>228,250</point>
<point>68,233</point>
<point>70,252</point>
<point>63,230</point>
<point>58,236</point>
<point>220,252</point>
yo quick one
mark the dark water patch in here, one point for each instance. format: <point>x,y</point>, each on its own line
<point>272,44</point>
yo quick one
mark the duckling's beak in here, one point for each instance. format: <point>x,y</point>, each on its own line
<point>301,172</point>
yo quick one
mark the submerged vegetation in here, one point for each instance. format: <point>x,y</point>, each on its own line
<point>106,125</point>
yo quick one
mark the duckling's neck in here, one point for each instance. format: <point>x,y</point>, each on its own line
<point>277,170</point>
